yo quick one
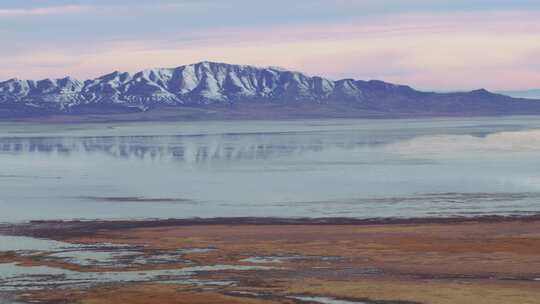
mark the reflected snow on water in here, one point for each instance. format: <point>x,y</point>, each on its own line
<point>313,168</point>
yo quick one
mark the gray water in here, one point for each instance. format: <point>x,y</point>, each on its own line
<point>14,277</point>
<point>311,168</point>
<point>325,300</point>
<point>116,257</point>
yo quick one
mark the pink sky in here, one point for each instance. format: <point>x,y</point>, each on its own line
<point>497,49</point>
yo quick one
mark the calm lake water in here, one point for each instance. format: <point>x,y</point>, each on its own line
<point>309,168</point>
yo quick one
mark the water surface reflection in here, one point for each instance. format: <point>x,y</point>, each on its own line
<point>359,168</point>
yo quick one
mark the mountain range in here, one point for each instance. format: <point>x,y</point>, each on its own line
<point>531,94</point>
<point>219,90</point>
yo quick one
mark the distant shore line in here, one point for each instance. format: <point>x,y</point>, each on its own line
<point>247,113</point>
<point>59,229</point>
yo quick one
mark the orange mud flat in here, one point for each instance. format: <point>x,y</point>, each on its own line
<point>440,263</point>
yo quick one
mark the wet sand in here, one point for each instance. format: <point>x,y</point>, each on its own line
<point>486,260</point>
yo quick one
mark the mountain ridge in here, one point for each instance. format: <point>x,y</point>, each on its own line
<point>529,94</point>
<point>207,84</point>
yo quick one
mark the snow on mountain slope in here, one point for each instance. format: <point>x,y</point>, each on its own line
<point>207,83</point>
<point>201,83</point>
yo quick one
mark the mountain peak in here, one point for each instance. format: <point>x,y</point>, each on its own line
<point>207,62</point>
<point>208,82</point>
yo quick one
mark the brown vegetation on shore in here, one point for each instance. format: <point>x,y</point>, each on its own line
<point>477,262</point>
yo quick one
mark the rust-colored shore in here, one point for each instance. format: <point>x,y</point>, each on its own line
<point>439,262</point>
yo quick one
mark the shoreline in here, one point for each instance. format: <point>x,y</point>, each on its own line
<point>201,114</point>
<point>482,260</point>
<point>75,228</point>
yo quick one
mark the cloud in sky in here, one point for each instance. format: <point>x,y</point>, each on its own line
<point>425,45</point>
<point>43,11</point>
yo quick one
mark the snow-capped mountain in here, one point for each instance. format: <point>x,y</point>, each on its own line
<point>209,83</point>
